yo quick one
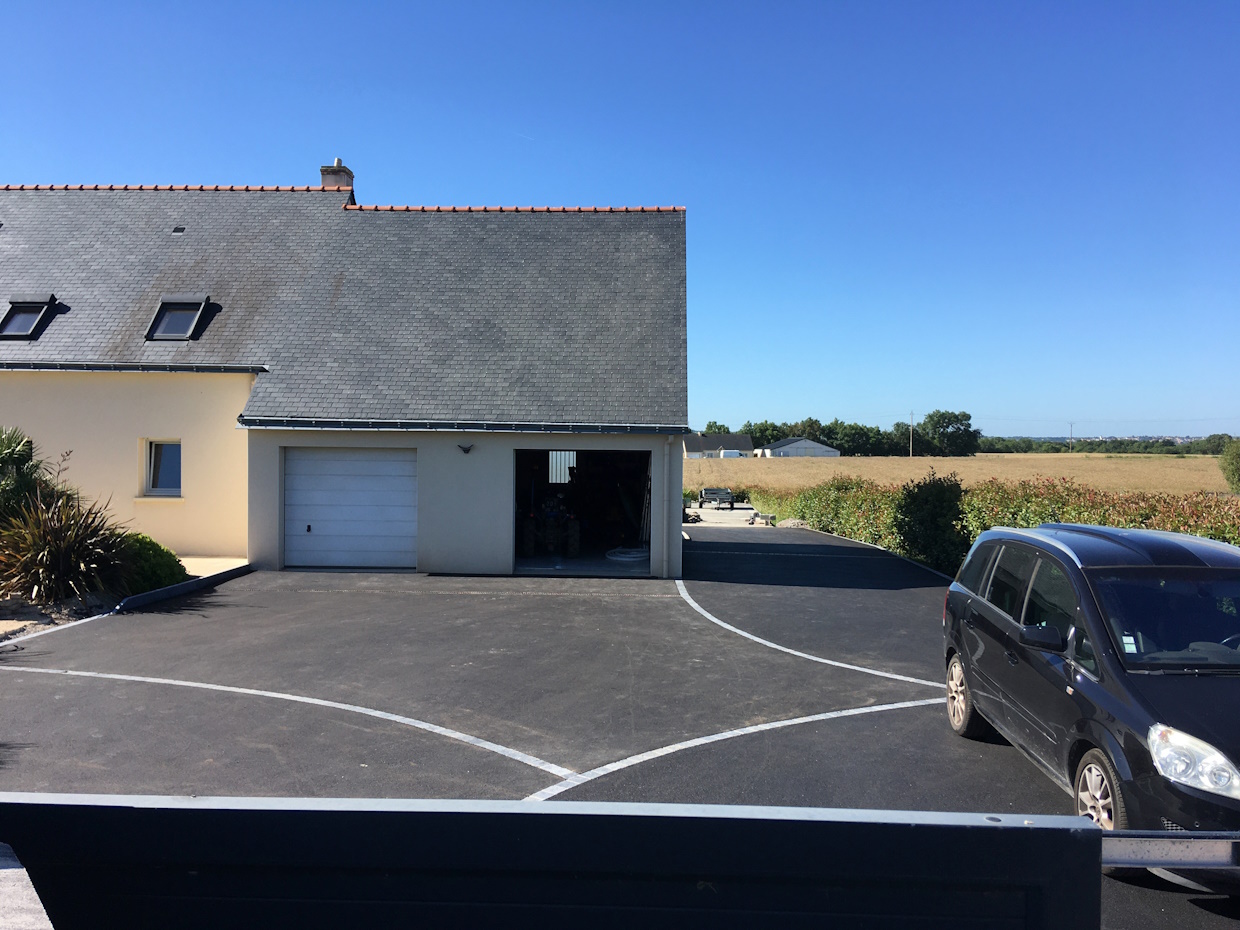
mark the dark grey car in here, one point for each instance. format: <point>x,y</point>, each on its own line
<point>1111,658</point>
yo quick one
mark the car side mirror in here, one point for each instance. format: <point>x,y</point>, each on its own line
<point>1048,638</point>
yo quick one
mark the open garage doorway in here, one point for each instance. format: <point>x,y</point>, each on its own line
<point>582,512</point>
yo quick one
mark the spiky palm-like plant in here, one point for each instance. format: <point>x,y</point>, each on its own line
<point>58,546</point>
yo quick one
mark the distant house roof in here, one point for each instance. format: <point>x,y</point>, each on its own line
<point>416,317</point>
<point>790,440</point>
<point>733,442</point>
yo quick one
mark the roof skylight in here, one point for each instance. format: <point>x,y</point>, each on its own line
<point>25,316</point>
<point>177,316</point>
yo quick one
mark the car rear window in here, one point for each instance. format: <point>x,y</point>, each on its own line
<point>1010,578</point>
<point>973,572</point>
<point>1172,617</point>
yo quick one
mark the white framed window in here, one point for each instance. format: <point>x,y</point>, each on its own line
<point>25,315</point>
<point>177,317</point>
<point>163,468</point>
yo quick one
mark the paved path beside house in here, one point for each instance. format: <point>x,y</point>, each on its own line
<point>201,566</point>
<point>720,516</point>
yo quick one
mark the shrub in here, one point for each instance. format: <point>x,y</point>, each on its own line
<point>1229,462</point>
<point>927,521</point>
<point>56,547</point>
<point>150,565</point>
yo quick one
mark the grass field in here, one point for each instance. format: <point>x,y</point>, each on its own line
<point>1165,473</point>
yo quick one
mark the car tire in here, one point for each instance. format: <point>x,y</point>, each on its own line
<point>961,712</point>
<point>1097,792</point>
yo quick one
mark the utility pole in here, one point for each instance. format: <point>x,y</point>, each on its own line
<point>1070,425</point>
<point>910,434</point>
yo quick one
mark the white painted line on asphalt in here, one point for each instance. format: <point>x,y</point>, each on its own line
<point>516,755</point>
<point>573,781</point>
<point>55,629</point>
<point>793,652</point>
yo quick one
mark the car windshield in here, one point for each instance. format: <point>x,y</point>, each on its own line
<point>1164,618</point>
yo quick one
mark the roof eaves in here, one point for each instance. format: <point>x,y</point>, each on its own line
<point>133,367</point>
<point>457,426</point>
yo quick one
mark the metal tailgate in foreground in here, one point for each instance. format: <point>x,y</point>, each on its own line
<point>134,862</point>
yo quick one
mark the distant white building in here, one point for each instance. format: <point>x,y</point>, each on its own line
<point>718,446</point>
<point>795,447</point>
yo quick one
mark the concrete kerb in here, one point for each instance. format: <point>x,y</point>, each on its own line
<point>180,590</point>
<point>145,599</point>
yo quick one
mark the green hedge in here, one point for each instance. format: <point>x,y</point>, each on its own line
<point>853,507</point>
<point>1059,500</point>
<point>935,520</point>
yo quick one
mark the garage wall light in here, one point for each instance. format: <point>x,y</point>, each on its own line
<point>465,448</point>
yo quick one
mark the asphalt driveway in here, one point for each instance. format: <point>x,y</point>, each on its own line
<point>575,674</point>
<point>788,668</point>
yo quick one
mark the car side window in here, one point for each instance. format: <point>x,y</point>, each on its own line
<point>1052,602</point>
<point>1010,579</point>
<point>973,572</point>
<point>1083,652</point>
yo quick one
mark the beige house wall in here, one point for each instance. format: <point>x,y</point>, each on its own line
<point>107,418</point>
<point>465,501</point>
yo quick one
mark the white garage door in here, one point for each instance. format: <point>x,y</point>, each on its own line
<point>355,508</point>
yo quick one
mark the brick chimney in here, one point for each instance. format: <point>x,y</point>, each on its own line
<point>337,175</point>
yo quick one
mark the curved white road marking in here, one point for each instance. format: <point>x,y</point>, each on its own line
<point>803,655</point>
<point>573,781</point>
<point>558,770</point>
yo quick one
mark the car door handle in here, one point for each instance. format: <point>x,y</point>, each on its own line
<point>968,619</point>
<point>1013,658</point>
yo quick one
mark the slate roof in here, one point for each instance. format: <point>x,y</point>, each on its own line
<point>738,442</point>
<point>405,317</point>
<point>790,440</point>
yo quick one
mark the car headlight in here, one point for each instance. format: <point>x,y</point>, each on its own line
<point>1189,761</point>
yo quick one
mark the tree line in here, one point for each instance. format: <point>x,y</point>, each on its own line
<point>941,432</point>
<point>951,433</point>
<point>1214,444</point>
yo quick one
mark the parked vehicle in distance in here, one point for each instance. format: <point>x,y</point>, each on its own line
<point>717,496</point>
<point>1111,658</point>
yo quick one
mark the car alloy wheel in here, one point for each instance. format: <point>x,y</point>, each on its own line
<point>1098,794</point>
<point>961,713</point>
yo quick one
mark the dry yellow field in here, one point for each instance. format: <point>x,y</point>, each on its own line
<point>1164,473</point>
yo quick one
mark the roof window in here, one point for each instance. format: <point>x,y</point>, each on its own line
<point>177,316</point>
<point>26,316</point>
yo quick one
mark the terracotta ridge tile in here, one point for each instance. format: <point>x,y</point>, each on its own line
<point>238,188</point>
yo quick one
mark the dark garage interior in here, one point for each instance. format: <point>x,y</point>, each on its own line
<point>582,512</point>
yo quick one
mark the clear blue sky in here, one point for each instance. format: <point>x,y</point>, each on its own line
<point>1027,211</point>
